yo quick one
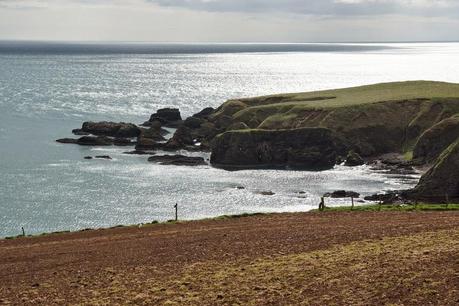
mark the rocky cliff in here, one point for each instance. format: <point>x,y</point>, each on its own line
<point>307,148</point>
<point>441,182</point>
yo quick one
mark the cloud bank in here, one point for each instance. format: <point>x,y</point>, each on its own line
<point>230,20</point>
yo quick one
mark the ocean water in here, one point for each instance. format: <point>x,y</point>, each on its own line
<point>47,89</point>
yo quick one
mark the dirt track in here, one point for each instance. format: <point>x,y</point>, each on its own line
<point>217,262</point>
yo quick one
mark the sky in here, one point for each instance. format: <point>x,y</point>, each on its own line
<point>230,20</point>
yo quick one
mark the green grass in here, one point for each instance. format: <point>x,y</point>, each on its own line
<point>358,106</point>
<point>372,207</point>
<point>244,215</point>
<point>153,223</point>
<point>408,155</point>
<point>362,94</point>
<point>384,207</point>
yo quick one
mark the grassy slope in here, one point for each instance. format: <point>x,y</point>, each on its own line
<point>287,107</point>
<point>361,95</point>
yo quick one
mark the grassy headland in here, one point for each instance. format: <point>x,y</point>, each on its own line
<point>403,109</point>
<point>417,119</point>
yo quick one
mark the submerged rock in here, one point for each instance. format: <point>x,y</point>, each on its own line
<point>67,140</point>
<point>88,141</point>
<point>95,141</point>
<point>307,148</point>
<point>178,160</point>
<point>266,193</point>
<point>138,152</point>
<point>98,157</point>
<point>103,157</point>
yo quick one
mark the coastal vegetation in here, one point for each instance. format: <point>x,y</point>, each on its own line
<point>395,207</point>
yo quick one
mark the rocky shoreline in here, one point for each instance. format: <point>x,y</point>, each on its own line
<point>239,138</point>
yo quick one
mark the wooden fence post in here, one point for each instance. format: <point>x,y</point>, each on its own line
<point>322,204</point>
<point>176,211</point>
<point>352,199</point>
<point>23,231</point>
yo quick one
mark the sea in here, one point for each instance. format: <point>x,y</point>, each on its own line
<point>47,89</point>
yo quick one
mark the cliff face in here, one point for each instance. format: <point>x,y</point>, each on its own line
<point>441,182</point>
<point>371,129</point>
<point>307,148</point>
<point>436,139</point>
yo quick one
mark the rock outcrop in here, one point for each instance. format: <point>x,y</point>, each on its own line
<point>388,198</point>
<point>97,141</point>
<point>67,140</point>
<point>441,183</point>
<point>353,159</point>
<point>339,194</point>
<point>307,148</point>
<point>178,160</point>
<point>89,141</point>
<point>106,128</point>
<point>169,117</point>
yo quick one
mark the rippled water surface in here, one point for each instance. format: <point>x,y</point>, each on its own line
<point>44,93</point>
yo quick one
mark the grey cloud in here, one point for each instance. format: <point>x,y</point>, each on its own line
<point>321,7</point>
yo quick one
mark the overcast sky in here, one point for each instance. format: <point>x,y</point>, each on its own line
<point>230,20</point>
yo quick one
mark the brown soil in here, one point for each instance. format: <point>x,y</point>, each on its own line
<point>331,258</point>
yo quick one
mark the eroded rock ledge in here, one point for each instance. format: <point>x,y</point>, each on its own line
<point>307,148</point>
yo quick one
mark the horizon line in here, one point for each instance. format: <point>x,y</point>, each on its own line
<point>224,43</point>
